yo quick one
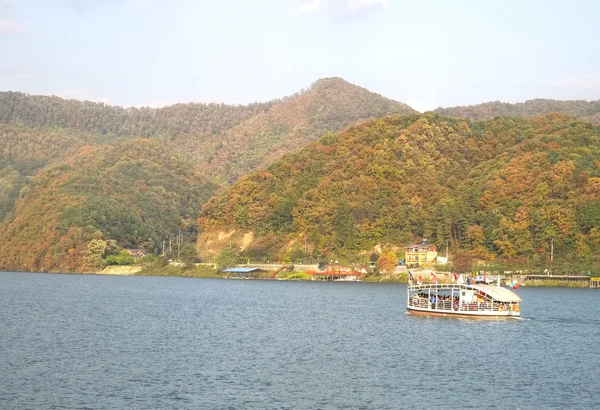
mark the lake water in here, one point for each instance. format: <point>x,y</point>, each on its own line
<point>110,342</point>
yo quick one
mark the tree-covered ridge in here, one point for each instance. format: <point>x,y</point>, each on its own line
<point>530,108</point>
<point>36,111</point>
<point>24,151</point>
<point>224,141</point>
<point>136,193</point>
<point>500,188</point>
<point>594,119</point>
<point>329,105</point>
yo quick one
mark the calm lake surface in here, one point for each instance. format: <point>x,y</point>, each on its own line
<point>111,342</point>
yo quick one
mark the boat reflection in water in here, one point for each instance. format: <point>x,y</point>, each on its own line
<point>463,300</point>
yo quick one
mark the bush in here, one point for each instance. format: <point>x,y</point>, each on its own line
<point>122,258</point>
<point>227,257</point>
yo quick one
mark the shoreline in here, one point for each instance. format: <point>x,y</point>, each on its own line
<point>196,272</point>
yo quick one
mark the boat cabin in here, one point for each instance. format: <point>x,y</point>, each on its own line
<point>477,300</point>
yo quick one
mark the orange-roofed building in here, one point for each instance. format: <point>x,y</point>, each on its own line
<point>421,254</point>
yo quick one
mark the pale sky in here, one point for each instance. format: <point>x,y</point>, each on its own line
<point>427,53</point>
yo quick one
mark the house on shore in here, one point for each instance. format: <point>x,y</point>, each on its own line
<point>137,253</point>
<point>421,254</point>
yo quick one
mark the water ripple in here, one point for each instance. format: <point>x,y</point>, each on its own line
<point>75,342</point>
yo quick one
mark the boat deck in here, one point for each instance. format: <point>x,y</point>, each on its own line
<point>476,300</point>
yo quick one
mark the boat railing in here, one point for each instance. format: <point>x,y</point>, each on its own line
<point>465,307</point>
<point>440,286</point>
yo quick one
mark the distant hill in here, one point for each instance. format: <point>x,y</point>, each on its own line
<point>589,110</point>
<point>223,141</point>
<point>72,172</point>
<point>500,188</point>
<point>135,193</point>
<point>329,105</point>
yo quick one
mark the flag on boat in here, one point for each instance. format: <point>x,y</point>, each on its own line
<point>460,279</point>
<point>410,278</point>
<point>433,278</point>
<point>468,281</point>
<point>420,281</point>
<point>514,284</point>
<point>454,277</point>
<point>485,278</point>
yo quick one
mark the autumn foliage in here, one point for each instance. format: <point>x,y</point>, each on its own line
<point>500,188</point>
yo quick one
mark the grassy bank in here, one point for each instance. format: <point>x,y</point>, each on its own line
<point>556,284</point>
<point>182,271</point>
<point>203,271</point>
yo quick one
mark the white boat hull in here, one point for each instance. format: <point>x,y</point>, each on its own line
<point>462,313</point>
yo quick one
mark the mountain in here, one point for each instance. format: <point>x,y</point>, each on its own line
<point>223,141</point>
<point>75,175</point>
<point>329,105</point>
<point>501,188</point>
<point>133,193</point>
<point>589,110</point>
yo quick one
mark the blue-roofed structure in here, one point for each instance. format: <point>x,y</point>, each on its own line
<point>243,272</point>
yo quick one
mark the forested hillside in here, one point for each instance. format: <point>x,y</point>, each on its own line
<point>502,188</point>
<point>589,110</point>
<point>329,105</point>
<point>36,111</point>
<point>24,151</point>
<point>132,194</point>
<point>75,175</point>
<point>223,141</point>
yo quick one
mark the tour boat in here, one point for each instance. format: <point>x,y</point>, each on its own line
<point>480,301</point>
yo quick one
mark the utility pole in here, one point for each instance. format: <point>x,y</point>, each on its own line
<point>163,253</point>
<point>178,243</point>
<point>551,254</point>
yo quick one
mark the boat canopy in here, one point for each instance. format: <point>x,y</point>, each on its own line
<point>498,293</point>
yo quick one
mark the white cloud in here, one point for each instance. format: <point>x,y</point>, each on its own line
<point>11,27</point>
<point>342,7</point>
<point>137,5</point>
<point>8,24</point>
<point>358,5</point>
<point>6,6</point>
<point>311,7</point>
<point>85,6</point>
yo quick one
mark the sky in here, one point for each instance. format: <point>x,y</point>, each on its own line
<point>426,53</point>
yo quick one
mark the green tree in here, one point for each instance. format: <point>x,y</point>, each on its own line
<point>121,258</point>
<point>228,257</point>
<point>187,253</point>
<point>97,250</point>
